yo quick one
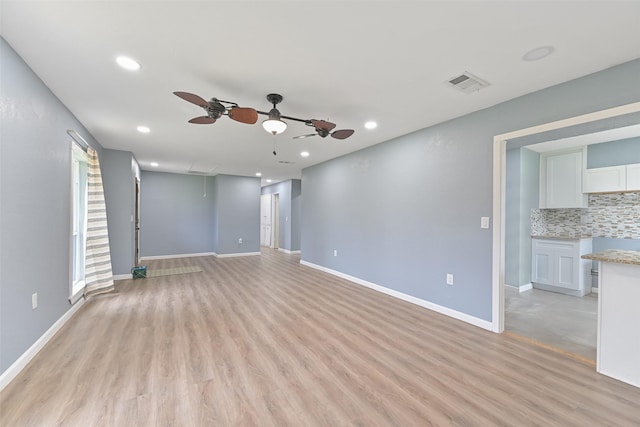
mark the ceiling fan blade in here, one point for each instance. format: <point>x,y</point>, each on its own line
<point>304,136</point>
<point>342,133</point>
<point>203,120</point>
<point>323,124</point>
<point>243,115</point>
<point>194,99</point>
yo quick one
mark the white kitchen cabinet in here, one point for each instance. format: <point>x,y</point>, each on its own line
<point>603,180</point>
<point>633,177</point>
<point>612,178</point>
<point>556,265</point>
<point>561,180</point>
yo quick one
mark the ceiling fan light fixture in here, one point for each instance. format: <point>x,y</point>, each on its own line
<point>273,124</point>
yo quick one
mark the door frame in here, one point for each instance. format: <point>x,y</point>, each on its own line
<point>499,181</point>
<point>136,222</point>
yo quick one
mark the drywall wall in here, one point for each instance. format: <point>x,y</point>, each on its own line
<point>405,213</point>
<point>35,206</point>
<point>237,206</point>
<point>176,214</point>
<point>118,179</point>
<point>613,153</point>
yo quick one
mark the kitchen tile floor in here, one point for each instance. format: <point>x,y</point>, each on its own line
<point>561,321</point>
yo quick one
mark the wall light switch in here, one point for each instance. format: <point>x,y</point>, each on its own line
<point>34,301</point>
<point>240,241</point>
<point>449,279</point>
<point>484,222</point>
<point>335,252</point>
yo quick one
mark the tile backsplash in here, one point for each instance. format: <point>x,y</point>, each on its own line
<point>614,215</point>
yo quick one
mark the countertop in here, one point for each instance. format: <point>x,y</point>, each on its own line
<point>615,255</point>
<point>559,236</point>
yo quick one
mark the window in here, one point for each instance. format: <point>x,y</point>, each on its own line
<point>78,220</point>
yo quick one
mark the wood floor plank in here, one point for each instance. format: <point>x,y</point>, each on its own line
<point>266,341</point>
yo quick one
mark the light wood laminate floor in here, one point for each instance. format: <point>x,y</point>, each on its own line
<point>264,341</point>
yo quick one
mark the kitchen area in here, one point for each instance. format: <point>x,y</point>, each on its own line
<point>573,248</point>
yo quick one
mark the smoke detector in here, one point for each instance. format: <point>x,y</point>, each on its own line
<point>467,83</point>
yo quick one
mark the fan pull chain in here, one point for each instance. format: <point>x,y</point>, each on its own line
<point>274,146</point>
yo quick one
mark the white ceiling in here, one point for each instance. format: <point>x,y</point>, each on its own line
<point>342,61</point>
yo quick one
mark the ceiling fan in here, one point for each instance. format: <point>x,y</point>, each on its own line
<point>323,129</point>
<point>215,109</point>
<point>274,125</point>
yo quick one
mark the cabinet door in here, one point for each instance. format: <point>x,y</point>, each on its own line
<point>566,272</point>
<point>542,268</point>
<point>563,181</point>
<point>602,180</point>
<point>633,177</point>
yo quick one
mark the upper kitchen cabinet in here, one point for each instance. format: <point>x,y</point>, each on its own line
<point>633,177</point>
<point>561,179</point>
<point>612,178</point>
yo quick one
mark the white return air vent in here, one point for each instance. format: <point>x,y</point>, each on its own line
<point>467,82</point>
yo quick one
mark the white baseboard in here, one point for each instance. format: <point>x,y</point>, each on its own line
<point>238,254</point>
<point>122,276</point>
<point>17,366</point>
<point>522,288</point>
<point>525,288</point>
<point>594,290</point>
<point>405,297</point>
<point>287,251</point>
<point>148,258</point>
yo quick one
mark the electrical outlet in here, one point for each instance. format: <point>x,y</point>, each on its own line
<point>34,301</point>
<point>240,241</point>
<point>335,252</point>
<point>449,279</point>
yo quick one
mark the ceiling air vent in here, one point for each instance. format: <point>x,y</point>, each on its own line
<point>467,83</point>
<point>286,162</point>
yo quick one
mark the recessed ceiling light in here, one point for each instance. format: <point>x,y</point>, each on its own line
<point>154,164</point>
<point>143,129</point>
<point>127,63</point>
<point>304,154</point>
<point>538,53</point>
<point>371,125</point>
<point>268,180</point>
<point>258,174</point>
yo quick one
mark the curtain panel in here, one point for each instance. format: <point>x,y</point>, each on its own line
<point>98,273</point>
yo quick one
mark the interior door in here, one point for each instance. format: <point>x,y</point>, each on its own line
<point>265,220</point>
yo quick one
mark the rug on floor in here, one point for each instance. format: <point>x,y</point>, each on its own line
<point>170,271</point>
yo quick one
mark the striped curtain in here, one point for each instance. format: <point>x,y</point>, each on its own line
<point>98,275</point>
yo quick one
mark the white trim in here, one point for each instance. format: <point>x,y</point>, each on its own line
<point>122,276</point>
<point>525,288</point>
<point>237,254</point>
<point>594,290</point>
<point>405,297</point>
<point>287,251</point>
<point>76,296</point>
<point>26,357</point>
<point>499,167</point>
<point>520,289</point>
<point>148,258</point>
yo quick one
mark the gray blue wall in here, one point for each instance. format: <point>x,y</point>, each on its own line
<point>404,213</point>
<point>35,211</point>
<point>187,214</point>
<point>237,206</point>
<point>176,214</point>
<point>613,153</point>
<point>521,195</point>
<point>119,170</point>
<point>290,197</point>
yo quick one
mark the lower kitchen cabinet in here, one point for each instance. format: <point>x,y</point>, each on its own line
<point>556,265</point>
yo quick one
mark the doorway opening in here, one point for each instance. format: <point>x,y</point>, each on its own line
<point>611,115</point>
<point>270,220</point>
